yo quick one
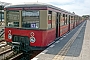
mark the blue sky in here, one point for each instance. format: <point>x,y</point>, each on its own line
<point>80,7</point>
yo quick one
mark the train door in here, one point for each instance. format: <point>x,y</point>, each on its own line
<point>69,24</point>
<point>58,25</point>
<point>74,22</point>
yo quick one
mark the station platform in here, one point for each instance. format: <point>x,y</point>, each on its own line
<point>75,45</point>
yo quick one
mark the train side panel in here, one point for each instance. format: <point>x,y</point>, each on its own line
<point>43,38</point>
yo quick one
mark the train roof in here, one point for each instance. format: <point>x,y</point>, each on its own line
<point>37,5</point>
<point>31,5</point>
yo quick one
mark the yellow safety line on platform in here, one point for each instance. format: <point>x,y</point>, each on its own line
<point>64,50</point>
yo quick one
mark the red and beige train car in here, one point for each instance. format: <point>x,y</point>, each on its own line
<point>35,26</point>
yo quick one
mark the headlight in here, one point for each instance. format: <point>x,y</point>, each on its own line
<point>32,39</point>
<point>9,36</point>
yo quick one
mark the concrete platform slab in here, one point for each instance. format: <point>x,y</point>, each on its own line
<point>73,46</point>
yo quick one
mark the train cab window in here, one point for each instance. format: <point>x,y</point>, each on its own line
<point>13,18</point>
<point>30,19</point>
<point>49,19</point>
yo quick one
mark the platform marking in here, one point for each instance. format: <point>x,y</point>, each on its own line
<point>42,53</point>
<point>52,45</point>
<point>57,41</point>
<point>45,51</point>
<point>64,50</point>
<point>64,36</point>
<point>67,34</point>
<point>61,38</point>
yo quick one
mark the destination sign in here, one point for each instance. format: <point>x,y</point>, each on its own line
<point>30,13</point>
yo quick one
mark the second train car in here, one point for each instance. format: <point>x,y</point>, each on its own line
<point>35,26</point>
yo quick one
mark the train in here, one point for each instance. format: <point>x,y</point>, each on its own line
<point>34,26</point>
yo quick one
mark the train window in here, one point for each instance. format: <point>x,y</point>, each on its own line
<point>30,19</point>
<point>72,21</point>
<point>66,19</point>
<point>49,19</point>
<point>13,18</point>
<point>28,24</point>
<point>62,20</point>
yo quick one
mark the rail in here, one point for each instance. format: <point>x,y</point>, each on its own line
<point>17,55</point>
<point>1,53</point>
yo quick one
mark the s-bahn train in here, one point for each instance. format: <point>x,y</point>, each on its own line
<point>35,26</point>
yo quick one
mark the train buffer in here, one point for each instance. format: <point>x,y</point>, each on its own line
<point>75,45</point>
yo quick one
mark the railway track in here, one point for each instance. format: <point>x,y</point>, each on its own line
<point>15,56</point>
<point>4,49</point>
<point>1,53</point>
<point>6,52</point>
<point>9,55</point>
<point>2,44</point>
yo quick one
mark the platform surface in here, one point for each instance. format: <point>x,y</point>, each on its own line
<point>75,45</point>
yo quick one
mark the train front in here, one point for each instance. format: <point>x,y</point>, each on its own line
<point>26,28</point>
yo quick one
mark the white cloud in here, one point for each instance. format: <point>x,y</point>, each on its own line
<point>19,1</point>
<point>78,6</point>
